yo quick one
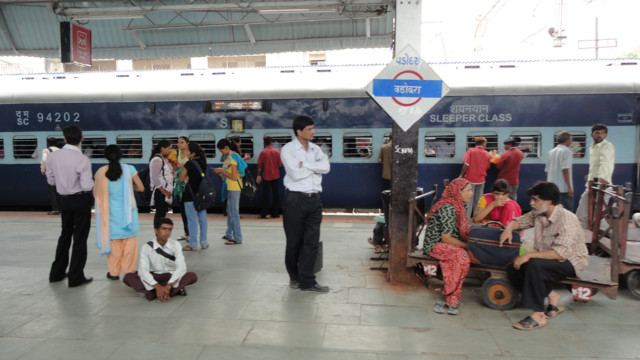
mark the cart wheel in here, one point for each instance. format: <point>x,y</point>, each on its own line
<point>633,283</point>
<point>499,294</point>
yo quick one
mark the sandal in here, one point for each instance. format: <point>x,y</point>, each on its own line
<point>527,324</point>
<point>232,242</point>
<point>553,311</point>
<point>439,308</point>
<point>189,248</point>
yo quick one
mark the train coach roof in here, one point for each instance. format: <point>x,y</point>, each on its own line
<point>315,82</point>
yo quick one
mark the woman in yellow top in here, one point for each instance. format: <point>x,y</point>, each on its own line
<point>231,171</point>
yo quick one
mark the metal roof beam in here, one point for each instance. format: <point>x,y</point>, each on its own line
<point>249,22</point>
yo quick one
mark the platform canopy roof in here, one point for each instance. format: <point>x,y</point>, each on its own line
<point>139,29</point>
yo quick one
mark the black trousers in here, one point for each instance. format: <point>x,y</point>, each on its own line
<point>302,216</point>
<point>161,206</point>
<point>270,187</point>
<point>53,198</point>
<point>534,277</point>
<point>76,222</point>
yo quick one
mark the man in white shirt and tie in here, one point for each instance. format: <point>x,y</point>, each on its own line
<point>305,163</point>
<point>162,271</point>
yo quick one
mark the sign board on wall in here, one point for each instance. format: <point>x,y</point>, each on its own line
<point>75,44</point>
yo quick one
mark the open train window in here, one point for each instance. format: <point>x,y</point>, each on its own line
<point>357,145</point>
<point>324,141</point>
<point>93,146</point>
<point>207,143</point>
<point>492,140</point>
<point>172,138</point>
<point>1,148</point>
<point>278,140</point>
<point>131,146</point>
<point>25,147</point>
<point>578,143</point>
<point>528,143</point>
<point>440,144</point>
<point>246,142</point>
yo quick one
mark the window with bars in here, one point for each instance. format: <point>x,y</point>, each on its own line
<point>578,143</point>
<point>279,140</point>
<point>528,143</point>
<point>131,146</point>
<point>492,140</point>
<point>325,142</point>
<point>207,143</point>
<point>246,143</point>
<point>25,147</point>
<point>93,146</point>
<point>357,145</point>
<point>440,144</point>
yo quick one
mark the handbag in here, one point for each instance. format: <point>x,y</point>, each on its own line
<point>484,245</point>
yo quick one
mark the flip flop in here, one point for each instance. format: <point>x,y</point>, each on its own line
<point>189,248</point>
<point>527,324</point>
<point>553,311</point>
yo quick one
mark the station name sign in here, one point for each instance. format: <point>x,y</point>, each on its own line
<point>75,44</point>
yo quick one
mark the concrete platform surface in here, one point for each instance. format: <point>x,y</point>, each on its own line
<point>242,307</point>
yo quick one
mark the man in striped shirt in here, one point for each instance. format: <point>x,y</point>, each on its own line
<point>558,252</point>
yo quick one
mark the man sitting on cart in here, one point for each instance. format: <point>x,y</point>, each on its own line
<point>559,252</point>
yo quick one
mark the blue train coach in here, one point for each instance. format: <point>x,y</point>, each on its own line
<point>530,100</point>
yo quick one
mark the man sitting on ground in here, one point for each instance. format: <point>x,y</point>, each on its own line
<point>558,252</point>
<point>162,271</point>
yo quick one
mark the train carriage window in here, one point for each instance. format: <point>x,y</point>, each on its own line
<point>492,140</point>
<point>93,146</point>
<point>440,144</point>
<point>207,143</point>
<point>279,140</point>
<point>578,143</point>
<point>528,143</point>
<point>131,146</point>
<point>1,148</point>
<point>172,138</point>
<point>25,147</point>
<point>325,142</point>
<point>246,143</point>
<point>357,145</point>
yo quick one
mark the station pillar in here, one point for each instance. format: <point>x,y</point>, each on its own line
<point>404,164</point>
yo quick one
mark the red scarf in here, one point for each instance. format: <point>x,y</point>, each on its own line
<point>452,196</point>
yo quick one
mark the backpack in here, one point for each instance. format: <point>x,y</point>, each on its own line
<point>145,177</point>
<point>205,197</point>
<point>248,186</point>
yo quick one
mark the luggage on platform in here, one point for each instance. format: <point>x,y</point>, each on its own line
<point>484,245</point>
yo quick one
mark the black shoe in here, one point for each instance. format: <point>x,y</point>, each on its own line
<point>318,288</point>
<point>294,284</point>
<point>112,277</point>
<point>58,280</point>
<point>85,281</point>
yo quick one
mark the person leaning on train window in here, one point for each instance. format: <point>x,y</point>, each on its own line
<point>476,161</point>
<point>161,178</point>
<point>558,252</point>
<point>445,240</point>
<point>496,205</point>
<point>53,196</point>
<point>509,165</point>
<point>117,213</point>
